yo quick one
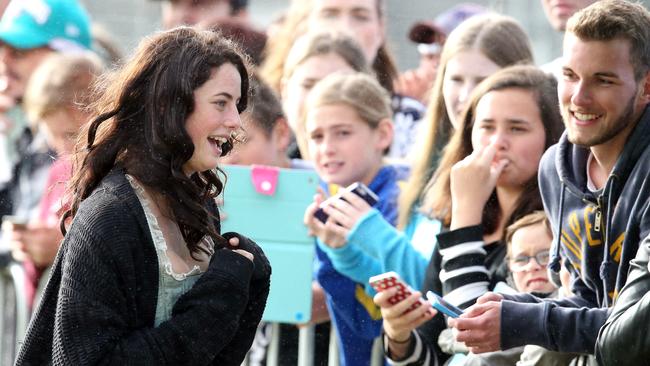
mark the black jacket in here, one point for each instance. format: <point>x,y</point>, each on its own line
<point>623,340</point>
<point>100,302</point>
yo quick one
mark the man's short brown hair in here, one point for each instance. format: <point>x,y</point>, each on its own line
<point>607,20</point>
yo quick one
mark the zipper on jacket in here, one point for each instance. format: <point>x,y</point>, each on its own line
<point>597,220</point>
<point>599,216</point>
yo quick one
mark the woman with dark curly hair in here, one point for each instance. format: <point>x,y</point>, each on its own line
<point>143,275</point>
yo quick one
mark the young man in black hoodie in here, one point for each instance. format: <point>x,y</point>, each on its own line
<point>595,184</point>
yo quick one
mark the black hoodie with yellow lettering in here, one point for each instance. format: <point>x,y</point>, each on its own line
<point>597,234</point>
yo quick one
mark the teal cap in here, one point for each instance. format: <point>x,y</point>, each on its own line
<point>63,25</point>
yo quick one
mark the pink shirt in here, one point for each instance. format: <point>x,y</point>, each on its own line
<point>52,206</point>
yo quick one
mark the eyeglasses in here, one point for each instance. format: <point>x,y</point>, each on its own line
<point>519,262</point>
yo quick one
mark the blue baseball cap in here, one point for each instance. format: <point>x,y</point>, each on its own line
<point>62,25</point>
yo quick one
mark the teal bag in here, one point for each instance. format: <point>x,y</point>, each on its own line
<point>267,204</point>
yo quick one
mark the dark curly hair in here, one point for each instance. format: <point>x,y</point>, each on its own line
<point>140,126</point>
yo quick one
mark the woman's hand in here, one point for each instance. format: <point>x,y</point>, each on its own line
<point>473,180</point>
<point>234,243</point>
<point>36,242</point>
<point>343,214</point>
<point>399,322</point>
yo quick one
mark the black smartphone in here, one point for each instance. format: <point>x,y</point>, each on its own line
<point>357,188</point>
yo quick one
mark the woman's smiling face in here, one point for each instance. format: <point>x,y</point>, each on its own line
<point>214,119</point>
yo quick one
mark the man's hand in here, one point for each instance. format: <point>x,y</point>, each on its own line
<point>480,325</point>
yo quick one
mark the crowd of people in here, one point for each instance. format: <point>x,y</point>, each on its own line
<point>516,192</point>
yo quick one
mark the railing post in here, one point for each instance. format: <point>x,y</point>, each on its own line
<point>274,347</point>
<point>5,314</point>
<point>22,310</point>
<point>333,353</point>
<point>377,358</point>
<point>306,346</point>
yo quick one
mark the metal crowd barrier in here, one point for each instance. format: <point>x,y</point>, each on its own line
<point>14,312</point>
<point>306,348</point>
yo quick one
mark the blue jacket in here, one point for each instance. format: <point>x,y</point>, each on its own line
<point>356,318</point>
<point>375,247</point>
<point>598,233</point>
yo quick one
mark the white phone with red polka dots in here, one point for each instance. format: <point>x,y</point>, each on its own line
<point>391,279</point>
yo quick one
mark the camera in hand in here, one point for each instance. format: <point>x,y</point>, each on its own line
<point>357,188</point>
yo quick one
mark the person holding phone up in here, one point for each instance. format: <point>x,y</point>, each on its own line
<point>143,275</point>
<point>488,172</point>
<point>348,129</point>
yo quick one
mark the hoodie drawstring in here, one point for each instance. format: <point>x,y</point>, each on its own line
<point>606,265</point>
<point>555,264</point>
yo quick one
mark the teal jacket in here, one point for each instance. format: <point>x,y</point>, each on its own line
<point>375,246</point>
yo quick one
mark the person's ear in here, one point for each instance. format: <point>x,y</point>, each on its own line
<point>385,134</point>
<point>645,96</point>
<point>281,134</point>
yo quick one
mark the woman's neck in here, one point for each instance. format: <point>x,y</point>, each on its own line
<point>507,198</point>
<point>157,200</point>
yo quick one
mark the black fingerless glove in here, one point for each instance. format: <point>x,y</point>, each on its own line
<point>262,266</point>
<point>258,293</point>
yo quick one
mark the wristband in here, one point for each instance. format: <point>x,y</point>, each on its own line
<point>407,340</point>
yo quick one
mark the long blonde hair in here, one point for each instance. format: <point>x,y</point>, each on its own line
<point>61,81</point>
<point>502,40</point>
<point>359,91</point>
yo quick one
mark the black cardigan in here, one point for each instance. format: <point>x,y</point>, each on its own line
<point>100,302</point>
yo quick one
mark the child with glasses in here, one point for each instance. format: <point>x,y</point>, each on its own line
<point>528,243</point>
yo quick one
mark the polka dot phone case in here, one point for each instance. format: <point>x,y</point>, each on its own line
<point>391,279</point>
